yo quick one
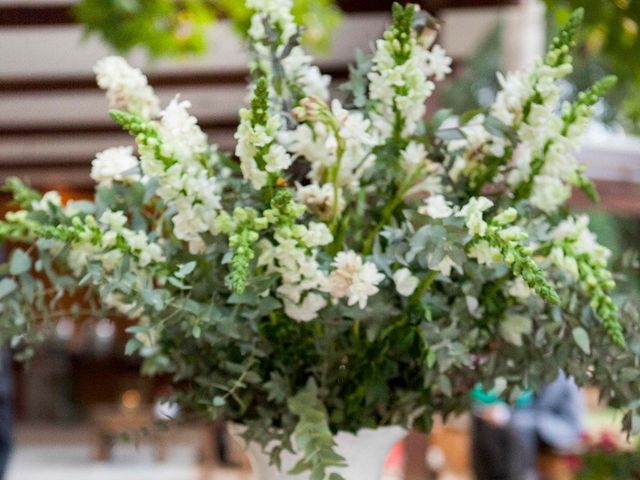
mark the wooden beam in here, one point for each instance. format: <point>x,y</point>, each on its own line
<point>158,80</point>
<point>61,14</point>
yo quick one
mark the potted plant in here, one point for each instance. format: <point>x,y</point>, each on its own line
<point>358,269</point>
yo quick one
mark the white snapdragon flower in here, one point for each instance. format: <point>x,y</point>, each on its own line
<point>414,155</point>
<point>405,282</point>
<point>472,212</point>
<point>522,157</point>
<point>315,234</point>
<point>318,141</point>
<point>146,250</point>
<point>181,136</point>
<point>50,198</point>
<point>297,65</point>
<point>114,220</point>
<point>564,262</point>
<point>583,241</point>
<point>277,159</point>
<point>298,268</point>
<point>436,206</point>
<point>309,142</point>
<point>117,164</point>
<point>549,193</point>
<point>276,11</point>
<point>306,310</point>
<point>445,266</point>
<point>111,259</point>
<point>438,63</point>
<point>484,253</point>
<point>353,278</point>
<point>519,289</point>
<point>127,87</point>
<point>79,256</point>
<point>516,89</point>
<point>319,199</point>
<point>254,140</point>
<point>403,87</point>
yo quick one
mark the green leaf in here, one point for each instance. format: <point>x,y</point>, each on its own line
<point>444,385</point>
<point>7,285</point>
<point>185,269</point>
<point>20,262</point>
<point>153,298</point>
<point>132,346</point>
<point>514,327</point>
<point>581,337</point>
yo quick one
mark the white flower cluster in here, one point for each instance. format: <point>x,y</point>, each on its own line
<point>437,207</point>
<point>473,215</point>
<point>274,18</point>
<point>406,283</point>
<point>319,199</point>
<point>328,139</point>
<point>519,289</point>
<point>188,182</point>
<point>482,250</point>
<point>477,144</point>
<point>353,278</point>
<point>292,256</point>
<point>110,247</point>
<point>117,164</point>
<point>528,102</point>
<point>574,232</point>
<point>257,143</point>
<point>399,80</point>
<point>179,158</point>
<point>127,87</point>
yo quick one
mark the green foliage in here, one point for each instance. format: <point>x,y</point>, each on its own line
<point>518,258</point>
<point>400,31</point>
<point>608,43</point>
<point>562,43</point>
<point>175,28</point>
<point>20,193</point>
<point>242,245</point>
<point>313,436</point>
<point>605,460</point>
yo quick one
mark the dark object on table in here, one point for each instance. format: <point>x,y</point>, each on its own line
<point>507,441</point>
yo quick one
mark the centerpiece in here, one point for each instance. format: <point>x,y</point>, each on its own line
<point>355,269</point>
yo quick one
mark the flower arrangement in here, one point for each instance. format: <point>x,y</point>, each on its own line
<point>357,265</point>
<point>606,456</point>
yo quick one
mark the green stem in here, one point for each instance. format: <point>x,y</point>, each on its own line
<point>423,286</point>
<point>356,328</point>
<point>389,210</point>
<point>386,216</point>
<point>335,174</point>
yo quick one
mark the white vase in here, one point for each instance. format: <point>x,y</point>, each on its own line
<point>364,452</point>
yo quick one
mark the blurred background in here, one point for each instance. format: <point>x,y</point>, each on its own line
<point>81,409</point>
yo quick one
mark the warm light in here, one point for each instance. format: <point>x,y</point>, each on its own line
<point>131,399</point>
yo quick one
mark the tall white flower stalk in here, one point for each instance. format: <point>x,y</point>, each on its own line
<point>400,77</point>
<point>173,150</point>
<point>274,40</point>
<point>545,168</point>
